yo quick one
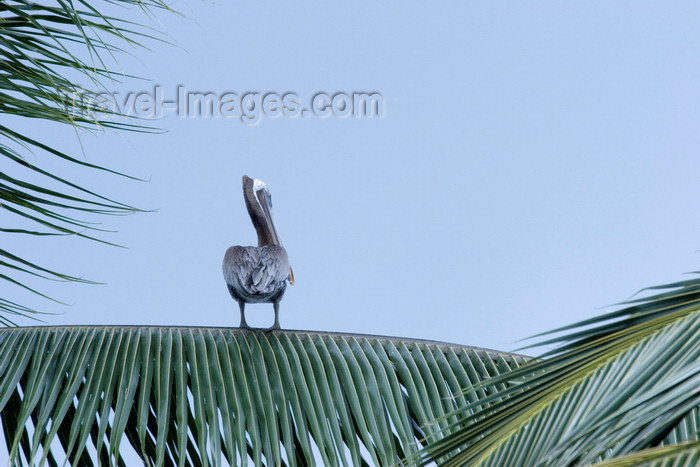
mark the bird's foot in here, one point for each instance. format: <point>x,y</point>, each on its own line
<point>245,326</point>
<point>274,327</point>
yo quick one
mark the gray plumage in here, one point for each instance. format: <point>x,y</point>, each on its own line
<point>258,274</point>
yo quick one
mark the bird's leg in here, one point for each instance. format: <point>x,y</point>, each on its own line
<point>275,326</point>
<point>243,324</point>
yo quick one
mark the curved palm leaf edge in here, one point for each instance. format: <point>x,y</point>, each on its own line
<point>619,389</point>
<point>41,45</point>
<point>211,396</point>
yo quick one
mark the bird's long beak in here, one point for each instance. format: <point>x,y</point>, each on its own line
<point>266,204</point>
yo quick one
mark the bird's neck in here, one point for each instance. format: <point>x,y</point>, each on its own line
<point>264,232</point>
<point>265,237</point>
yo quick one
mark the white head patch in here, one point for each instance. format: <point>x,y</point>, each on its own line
<point>258,185</point>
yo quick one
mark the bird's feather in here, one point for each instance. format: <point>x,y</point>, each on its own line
<point>256,273</point>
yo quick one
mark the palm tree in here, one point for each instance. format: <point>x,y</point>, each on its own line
<point>40,45</point>
<point>620,389</point>
<point>195,396</point>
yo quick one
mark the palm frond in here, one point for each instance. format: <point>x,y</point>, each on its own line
<point>44,49</point>
<point>685,454</point>
<point>617,384</point>
<point>199,396</point>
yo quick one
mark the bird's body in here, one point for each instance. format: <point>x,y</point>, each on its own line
<point>258,274</point>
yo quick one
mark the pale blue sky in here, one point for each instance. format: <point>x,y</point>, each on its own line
<point>536,162</point>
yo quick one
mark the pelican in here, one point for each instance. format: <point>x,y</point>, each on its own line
<point>258,274</point>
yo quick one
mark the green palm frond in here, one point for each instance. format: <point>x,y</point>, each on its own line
<point>682,454</point>
<point>195,396</point>
<point>45,48</point>
<point>619,384</point>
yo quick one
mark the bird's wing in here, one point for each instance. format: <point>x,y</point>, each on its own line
<point>239,264</point>
<point>272,269</point>
<point>255,270</point>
